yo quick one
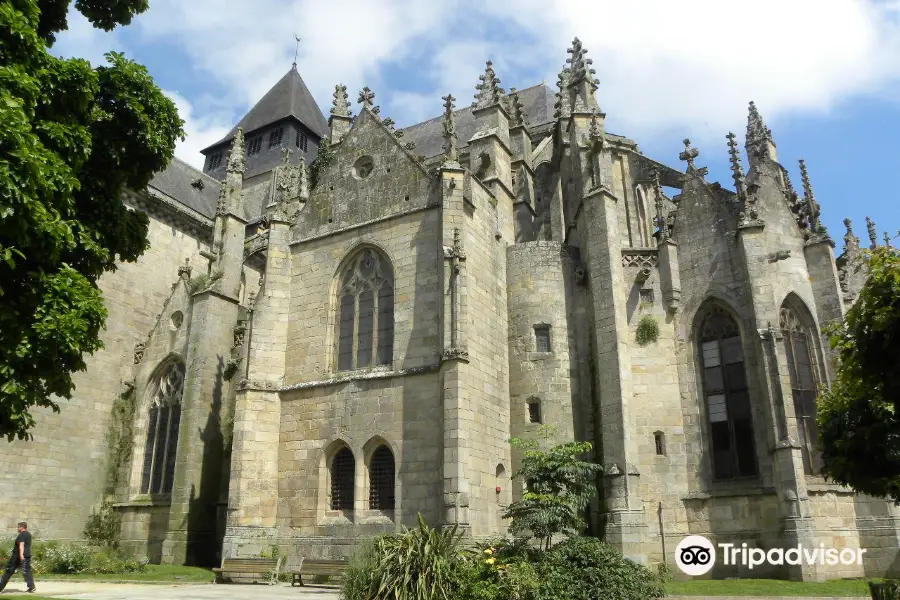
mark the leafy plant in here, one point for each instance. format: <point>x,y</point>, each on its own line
<point>559,487</point>
<point>859,416</point>
<point>103,526</point>
<point>422,563</point>
<point>496,573</point>
<point>647,330</point>
<point>320,163</point>
<point>73,139</point>
<point>359,577</point>
<point>583,568</point>
<point>120,438</point>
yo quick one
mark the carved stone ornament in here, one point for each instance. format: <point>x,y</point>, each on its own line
<point>138,353</point>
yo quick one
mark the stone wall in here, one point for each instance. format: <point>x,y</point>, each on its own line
<point>55,480</point>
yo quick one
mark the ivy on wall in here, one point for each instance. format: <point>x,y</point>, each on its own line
<point>647,330</point>
<point>120,438</point>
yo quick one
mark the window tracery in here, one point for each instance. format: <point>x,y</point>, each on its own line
<point>366,312</point>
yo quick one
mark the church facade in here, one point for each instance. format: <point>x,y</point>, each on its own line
<point>317,351</point>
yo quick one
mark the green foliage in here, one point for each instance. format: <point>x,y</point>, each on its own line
<point>418,564</point>
<point>103,526</point>
<point>582,568</point>
<point>859,416</point>
<point>499,571</point>
<point>69,559</point>
<point>359,577</point>
<point>560,486</point>
<point>647,330</point>
<point>73,138</point>
<point>204,281</point>
<point>120,438</point>
<point>320,163</point>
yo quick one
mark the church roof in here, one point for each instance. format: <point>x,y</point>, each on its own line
<point>192,188</point>
<point>288,98</point>
<point>429,135</point>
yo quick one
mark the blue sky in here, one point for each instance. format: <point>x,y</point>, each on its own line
<point>827,82</point>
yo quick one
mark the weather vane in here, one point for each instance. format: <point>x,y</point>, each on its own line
<point>297,49</point>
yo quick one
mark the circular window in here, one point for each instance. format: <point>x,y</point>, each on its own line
<point>176,320</point>
<point>363,167</point>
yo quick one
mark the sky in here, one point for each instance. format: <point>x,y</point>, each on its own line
<point>825,75</point>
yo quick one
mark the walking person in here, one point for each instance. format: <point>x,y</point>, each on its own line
<point>20,558</point>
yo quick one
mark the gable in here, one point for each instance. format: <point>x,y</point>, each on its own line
<point>371,177</point>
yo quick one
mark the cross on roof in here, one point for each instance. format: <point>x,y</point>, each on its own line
<point>689,154</point>
<point>366,96</point>
<point>297,38</point>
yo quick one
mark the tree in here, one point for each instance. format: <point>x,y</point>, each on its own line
<point>859,416</point>
<point>559,487</point>
<point>73,138</point>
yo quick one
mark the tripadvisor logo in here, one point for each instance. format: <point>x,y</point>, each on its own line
<point>695,555</point>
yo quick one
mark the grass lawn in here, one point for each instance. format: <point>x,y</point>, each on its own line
<point>768,587</point>
<point>28,596</point>
<point>153,574</point>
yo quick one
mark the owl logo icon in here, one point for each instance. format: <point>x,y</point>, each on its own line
<point>695,555</point>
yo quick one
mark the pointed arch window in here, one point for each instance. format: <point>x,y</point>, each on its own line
<point>366,312</point>
<point>161,445</point>
<point>726,395</point>
<point>381,479</point>
<point>343,475</point>
<point>800,351</point>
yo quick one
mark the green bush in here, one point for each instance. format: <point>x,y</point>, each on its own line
<point>582,568</point>
<point>71,559</point>
<point>422,563</point>
<point>499,571</point>
<point>102,528</point>
<point>647,331</point>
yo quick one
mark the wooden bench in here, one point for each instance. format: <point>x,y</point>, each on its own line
<point>317,566</point>
<point>267,567</point>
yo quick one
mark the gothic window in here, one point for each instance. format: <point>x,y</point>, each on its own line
<point>343,472</point>
<point>254,145</point>
<point>301,141</point>
<point>381,479</point>
<point>162,431</point>
<point>726,395</point>
<point>542,338</point>
<point>366,312</point>
<point>799,351</point>
<point>275,137</point>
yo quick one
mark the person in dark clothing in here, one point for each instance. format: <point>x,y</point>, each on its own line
<point>20,558</point>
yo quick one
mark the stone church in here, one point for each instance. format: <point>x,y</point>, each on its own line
<point>339,325</point>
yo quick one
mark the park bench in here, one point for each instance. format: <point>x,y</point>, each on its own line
<point>268,568</point>
<point>317,566</point>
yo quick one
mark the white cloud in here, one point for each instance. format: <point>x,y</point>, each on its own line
<point>202,130</point>
<point>83,40</point>
<point>664,66</point>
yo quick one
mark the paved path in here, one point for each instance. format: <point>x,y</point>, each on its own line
<point>85,590</point>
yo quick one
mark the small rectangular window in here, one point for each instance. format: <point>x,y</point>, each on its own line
<point>534,411</point>
<point>542,338</point>
<point>660,439</point>
<point>275,137</point>
<point>300,142</point>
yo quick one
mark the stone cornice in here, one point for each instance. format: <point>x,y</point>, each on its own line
<point>373,375</point>
<point>168,210</point>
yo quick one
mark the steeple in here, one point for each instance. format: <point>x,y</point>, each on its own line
<point>582,83</point>
<point>759,138</point>
<point>489,90</point>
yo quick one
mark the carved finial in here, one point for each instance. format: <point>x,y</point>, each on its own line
<point>516,109</point>
<point>450,135</point>
<point>236,155</point>
<point>580,64</point>
<point>660,219</point>
<point>563,106</point>
<point>366,96</point>
<point>689,154</point>
<point>812,207</point>
<point>757,133</point>
<point>389,123</point>
<point>873,234</point>
<point>489,91</point>
<point>887,240</point>
<point>340,106</point>
<point>737,171</point>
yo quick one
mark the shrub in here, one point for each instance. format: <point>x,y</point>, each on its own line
<point>583,568</point>
<point>65,559</point>
<point>102,528</point>
<point>499,572</point>
<point>360,573</point>
<point>647,331</point>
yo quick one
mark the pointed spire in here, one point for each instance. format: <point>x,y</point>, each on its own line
<point>450,135</point>
<point>887,239</point>
<point>516,109</point>
<point>366,96</point>
<point>689,154</point>
<point>340,107</point>
<point>489,90</point>
<point>851,242</point>
<point>873,233</point>
<point>812,207</point>
<point>737,170</point>
<point>236,154</point>
<point>759,137</point>
<point>581,65</point>
<point>660,219</point>
<point>563,105</point>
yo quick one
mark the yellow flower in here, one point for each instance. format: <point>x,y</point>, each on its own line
<point>491,560</point>
<point>488,550</point>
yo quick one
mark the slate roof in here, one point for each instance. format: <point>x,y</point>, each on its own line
<point>288,98</point>
<point>177,182</point>
<point>429,135</point>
